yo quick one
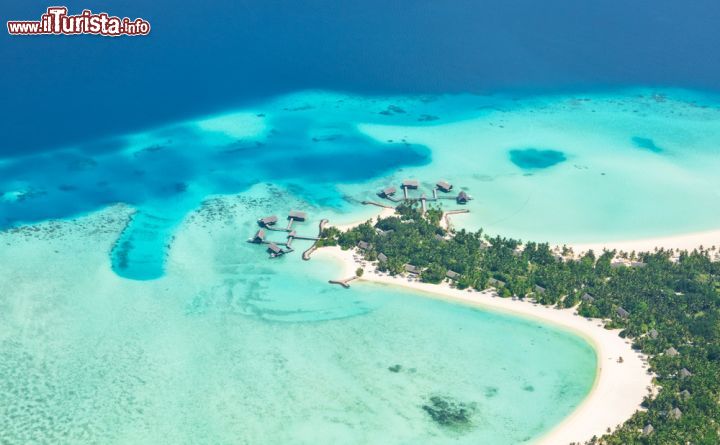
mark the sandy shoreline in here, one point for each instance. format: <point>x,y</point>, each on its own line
<point>619,388</point>
<point>686,241</point>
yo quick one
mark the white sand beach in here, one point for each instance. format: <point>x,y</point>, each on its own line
<point>686,241</point>
<point>619,387</point>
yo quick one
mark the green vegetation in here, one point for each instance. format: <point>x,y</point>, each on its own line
<point>667,303</point>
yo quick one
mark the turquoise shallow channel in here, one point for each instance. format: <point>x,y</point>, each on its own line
<point>155,321</point>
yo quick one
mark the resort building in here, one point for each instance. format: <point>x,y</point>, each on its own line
<point>676,413</point>
<point>684,373</point>
<point>382,258</point>
<point>409,268</point>
<point>622,313</point>
<point>496,283</point>
<point>444,186</point>
<point>362,245</point>
<point>297,215</point>
<point>452,275</point>
<point>462,198</point>
<point>259,236</point>
<point>671,352</point>
<point>268,220</point>
<point>648,430</point>
<point>274,249</point>
<point>587,298</point>
<point>653,334</point>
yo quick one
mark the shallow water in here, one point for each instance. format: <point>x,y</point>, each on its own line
<point>231,347</point>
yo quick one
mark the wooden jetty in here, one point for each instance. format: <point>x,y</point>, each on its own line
<point>446,216</point>
<point>311,249</point>
<point>344,283</point>
<point>412,184</point>
<point>373,203</point>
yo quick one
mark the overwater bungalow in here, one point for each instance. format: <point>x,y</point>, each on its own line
<point>444,186</point>
<point>462,198</point>
<point>622,313</point>
<point>452,275</point>
<point>388,192</point>
<point>259,236</point>
<point>382,258</point>
<point>297,215</point>
<point>410,184</point>
<point>268,220</point>
<point>274,250</point>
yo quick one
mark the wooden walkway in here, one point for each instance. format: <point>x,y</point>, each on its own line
<point>311,249</point>
<point>373,203</point>
<point>446,216</point>
<point>344,283</point>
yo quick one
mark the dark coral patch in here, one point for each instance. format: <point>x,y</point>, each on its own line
<point>533,158</point>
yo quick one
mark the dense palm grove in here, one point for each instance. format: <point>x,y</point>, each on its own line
<point>669,306</point>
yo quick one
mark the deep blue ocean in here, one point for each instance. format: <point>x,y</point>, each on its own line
<point>204,57</point>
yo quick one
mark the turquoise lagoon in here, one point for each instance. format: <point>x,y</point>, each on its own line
<point>156,322</point>
<point>230,347</point>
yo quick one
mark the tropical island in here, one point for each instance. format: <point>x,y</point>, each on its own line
<point>666,303</point>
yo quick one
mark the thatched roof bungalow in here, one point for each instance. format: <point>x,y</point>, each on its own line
<point>259,236</point>
<point>268,220</point>
<point>409,268</point>
<point>444,186</point>
<point>297,215</point>
<point>362,245</point>
<point>462,198</point>
<point>452,275</point>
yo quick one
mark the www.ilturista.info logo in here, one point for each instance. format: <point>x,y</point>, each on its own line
<point>56,21</point>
